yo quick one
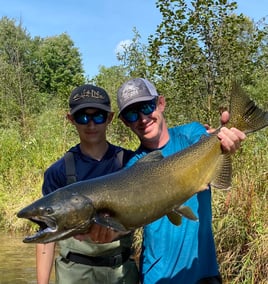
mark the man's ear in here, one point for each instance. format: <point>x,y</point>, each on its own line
<point>161,103</point>
<point>70,118</point>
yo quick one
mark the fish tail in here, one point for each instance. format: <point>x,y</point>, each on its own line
<point>244,114</point>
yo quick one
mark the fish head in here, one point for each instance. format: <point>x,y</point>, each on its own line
<point>59,216</point>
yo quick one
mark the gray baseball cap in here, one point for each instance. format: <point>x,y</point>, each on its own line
<point>89,96</point>
<point>134,91</point>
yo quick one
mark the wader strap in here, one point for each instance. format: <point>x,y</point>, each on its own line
<point>110,261</point>
<point>70,167</point>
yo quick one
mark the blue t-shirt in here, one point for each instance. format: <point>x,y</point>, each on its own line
<point>85,167</point>
<point>186,253</point>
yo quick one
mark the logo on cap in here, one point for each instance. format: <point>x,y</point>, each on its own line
<point>88,94</point>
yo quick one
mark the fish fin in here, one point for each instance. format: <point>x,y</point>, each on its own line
<point>244,114</point>
<point>175,215</point>
<point>186,212</point>
<point>223,173</point>
<point>174,218</point>
<point>109,222</point>
<point>151,157</point>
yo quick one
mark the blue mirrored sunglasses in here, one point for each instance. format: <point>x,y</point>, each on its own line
<point>132,114</point>
<point>98,117</point>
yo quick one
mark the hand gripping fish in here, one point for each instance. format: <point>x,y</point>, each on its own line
<point>153,187</point>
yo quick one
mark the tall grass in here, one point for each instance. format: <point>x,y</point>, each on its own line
<point>240,215</point>
<point>24,157</point>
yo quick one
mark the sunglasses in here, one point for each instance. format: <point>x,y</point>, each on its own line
<point>146,108</point>
<point>83,118</point>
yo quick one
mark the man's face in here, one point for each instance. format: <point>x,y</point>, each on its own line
<point>145,119</point>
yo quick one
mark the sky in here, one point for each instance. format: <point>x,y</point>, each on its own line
<point>98,27</point>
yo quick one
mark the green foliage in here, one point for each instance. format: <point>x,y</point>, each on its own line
<point>16,87</point>
<point>24,158</point>
<point>58,66</point>
<point>197,51</point>
<point>110,79</point>
<point>34,72</point>
<point>134,57</point>
<point>15,43</point>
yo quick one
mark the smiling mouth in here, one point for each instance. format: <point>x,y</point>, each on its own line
<point>91,132</point>
<point>146,126</point>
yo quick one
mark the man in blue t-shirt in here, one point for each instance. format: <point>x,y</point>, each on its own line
<point>172,254</point>
<point>83,260</point>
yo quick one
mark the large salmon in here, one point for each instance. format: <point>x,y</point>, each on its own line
<point>153,187</point>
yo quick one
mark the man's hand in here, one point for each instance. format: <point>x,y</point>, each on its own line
<point>230,138</point>
<point>225,116</point>
<point>99,234</point>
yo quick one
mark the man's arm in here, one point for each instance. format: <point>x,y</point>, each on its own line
<point>44,262</point>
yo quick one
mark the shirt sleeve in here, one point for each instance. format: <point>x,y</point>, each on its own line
<point>54,177</point>
<point>193,131</point>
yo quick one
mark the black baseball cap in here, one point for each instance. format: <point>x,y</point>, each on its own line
<point>89,96</point>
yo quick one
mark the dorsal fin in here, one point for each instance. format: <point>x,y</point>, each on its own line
<point>151,157</point>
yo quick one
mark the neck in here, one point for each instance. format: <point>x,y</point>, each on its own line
<point>95,151</point>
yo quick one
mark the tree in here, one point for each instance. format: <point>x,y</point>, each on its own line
<point>133,57</point>
<point>198,50</point>
<point>58,66</point>
<point>17,88</point>
<point>34,72</point>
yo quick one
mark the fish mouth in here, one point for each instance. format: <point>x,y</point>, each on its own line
<point>50,231</point>
<point>47,227</point>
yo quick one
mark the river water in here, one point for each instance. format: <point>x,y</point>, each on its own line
<point>17,260</point>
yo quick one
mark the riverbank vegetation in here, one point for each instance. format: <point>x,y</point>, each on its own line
<point>193,57</point>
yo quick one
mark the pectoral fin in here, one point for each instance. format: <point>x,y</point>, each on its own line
<point>110,223</point>
<point>175,215</point>
<point>174,218</point>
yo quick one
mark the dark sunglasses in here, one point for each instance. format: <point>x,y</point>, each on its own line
<point>146,108</point>
<point>98,117</point>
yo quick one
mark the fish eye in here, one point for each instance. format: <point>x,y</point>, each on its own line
<point>49,210</point>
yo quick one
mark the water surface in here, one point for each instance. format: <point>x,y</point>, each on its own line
<point>17,260</point>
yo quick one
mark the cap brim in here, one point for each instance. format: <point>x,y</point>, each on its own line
<point>90,105</point>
